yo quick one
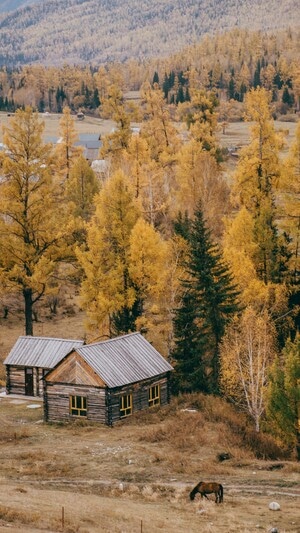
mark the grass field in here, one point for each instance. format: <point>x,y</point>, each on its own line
<point>237,133</point>
<point>136,476</point>
<point>51,121</point>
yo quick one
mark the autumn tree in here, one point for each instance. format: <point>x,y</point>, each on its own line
<point>33,226</point>
<point>247,350</point>
<point>66,149</point>
<point>283,401</point>
<point>108,292</point>
<point>115,107</point>
<point>256,179</point>
<point>136,161</point>
<point>199,179</point>
<point>239,249</point>
<point>81,188</point>
<point>201,118</point>
<point>290,205</point>
<point>150,268</point>
<point>158,128</point>
<point>208,302</point>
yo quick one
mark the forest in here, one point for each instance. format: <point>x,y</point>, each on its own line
<point>230,64</point>
<point>204,263</point>
<point>80,32</point>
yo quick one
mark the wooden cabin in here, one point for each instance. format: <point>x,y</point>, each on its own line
<point>107,381</point>
<point>29,361</point>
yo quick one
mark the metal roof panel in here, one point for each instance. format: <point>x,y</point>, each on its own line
<point>41,352</point>
<point>124,360</point>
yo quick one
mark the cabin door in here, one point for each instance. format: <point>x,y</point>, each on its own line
<point>29,381</point>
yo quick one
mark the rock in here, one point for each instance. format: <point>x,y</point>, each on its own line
<point>274,506</point>
<point>224,456</point>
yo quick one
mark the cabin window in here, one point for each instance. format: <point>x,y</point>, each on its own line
<point>125,405</point>
<point>154,395</point>
<point>78,406</point>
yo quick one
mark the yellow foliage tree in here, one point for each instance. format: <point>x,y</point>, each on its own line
<point>199,181</point>
<point>33,226</point>
<point>108,293</point>
<point>66,151</point>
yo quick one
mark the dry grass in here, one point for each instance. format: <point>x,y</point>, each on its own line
<point>88,125</point>
<point>109,479</point>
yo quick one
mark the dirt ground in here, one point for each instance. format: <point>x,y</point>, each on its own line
<point>89,479</point>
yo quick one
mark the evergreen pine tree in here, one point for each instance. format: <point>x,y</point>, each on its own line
<point>209,300</point>
<point>284,395</point>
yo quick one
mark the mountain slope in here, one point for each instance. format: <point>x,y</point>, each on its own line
<point>10,5</point>
<point>97,31</point>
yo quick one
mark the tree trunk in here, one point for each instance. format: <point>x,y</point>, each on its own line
<point>28,311</point>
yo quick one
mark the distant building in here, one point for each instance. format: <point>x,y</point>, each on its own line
<point>90,142</point>
<point>100,167</point>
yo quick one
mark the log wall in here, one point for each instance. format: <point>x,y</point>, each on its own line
<point>15,380</point>
<point>139,393</point>
<point>57,402</point>
<point>103,405</point>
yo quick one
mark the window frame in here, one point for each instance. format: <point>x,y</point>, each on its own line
<point>154,395</point>
<point>125,406</point>
<point>82,409</point>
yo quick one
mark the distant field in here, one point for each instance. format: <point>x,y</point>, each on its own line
<point>237,133</point>
<point>88,125</point>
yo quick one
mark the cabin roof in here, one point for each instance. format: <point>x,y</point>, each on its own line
<point>124,360</point>
<point>41,352</point>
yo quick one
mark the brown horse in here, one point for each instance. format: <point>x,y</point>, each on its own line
<point>208,488</point>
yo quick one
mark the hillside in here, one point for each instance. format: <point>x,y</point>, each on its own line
<point>11,5</point>
<point>54,32</point>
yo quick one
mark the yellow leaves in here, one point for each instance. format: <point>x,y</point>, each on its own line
<point>33,227</point>
<point>147,259</point>
<point>199,179</point>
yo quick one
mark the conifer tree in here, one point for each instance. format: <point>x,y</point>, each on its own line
<point>283,409</point>
<point>209,300</point>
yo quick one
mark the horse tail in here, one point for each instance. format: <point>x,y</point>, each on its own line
<point>221,492</point>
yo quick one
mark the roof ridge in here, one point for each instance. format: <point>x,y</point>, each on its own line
<point>113,339</point>
<point>35,337</point>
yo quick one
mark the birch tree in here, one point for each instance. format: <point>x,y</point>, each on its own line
<point>246,352</point>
